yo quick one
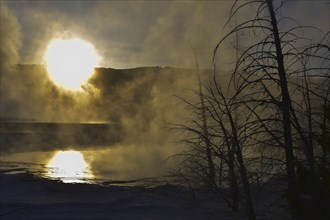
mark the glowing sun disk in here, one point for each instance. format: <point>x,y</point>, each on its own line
<point>70,63</point>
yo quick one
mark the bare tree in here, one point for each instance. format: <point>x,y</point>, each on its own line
<point>205,132</point>
<point>265,78</point>
<point>270,61</point>
<point>271,112</point>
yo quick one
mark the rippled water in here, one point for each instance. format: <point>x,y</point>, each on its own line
<point>73,169</point>
<point>69,167</point>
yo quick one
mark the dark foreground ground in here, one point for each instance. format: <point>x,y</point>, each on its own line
<point>23,196</point>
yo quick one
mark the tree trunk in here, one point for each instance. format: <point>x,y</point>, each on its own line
<point>242,169</point>
<point>286,101</point>
<point>208,149</point>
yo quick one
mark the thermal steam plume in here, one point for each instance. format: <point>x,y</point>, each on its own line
<point>10,36</point>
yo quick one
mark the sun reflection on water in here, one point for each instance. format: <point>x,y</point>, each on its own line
<point>69,167</point>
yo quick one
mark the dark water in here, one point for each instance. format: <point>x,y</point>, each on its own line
<point>85,177</point>
<point>49,136</point>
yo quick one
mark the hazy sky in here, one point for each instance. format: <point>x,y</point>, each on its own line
<point>139,33</point>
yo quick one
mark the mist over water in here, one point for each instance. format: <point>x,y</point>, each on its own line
<point>119,116</point>
<point>119,121</point>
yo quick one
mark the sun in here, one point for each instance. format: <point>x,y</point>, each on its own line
<point>70,62</point>
<point>69,166</point>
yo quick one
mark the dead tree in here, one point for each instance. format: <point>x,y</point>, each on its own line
<point>267,68</point>
<point>206,138</point>
<point>277,101</point>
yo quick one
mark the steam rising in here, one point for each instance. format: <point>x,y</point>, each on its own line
<point>9,52</point>
<point>137,101</point>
